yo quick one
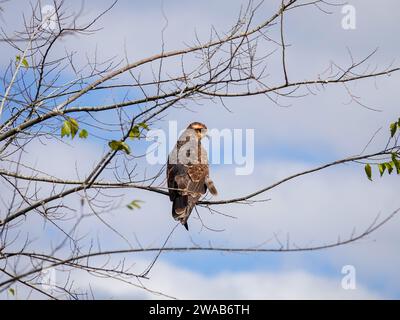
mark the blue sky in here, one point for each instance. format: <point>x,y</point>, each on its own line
<point>309,132</point>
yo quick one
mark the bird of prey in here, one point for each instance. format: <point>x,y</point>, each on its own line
<point>188,173</point>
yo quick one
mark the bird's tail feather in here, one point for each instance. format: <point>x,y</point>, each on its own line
<point>210,185</point>
<point>181,210</point>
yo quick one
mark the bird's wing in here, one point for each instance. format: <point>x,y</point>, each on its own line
<point>186,179</point>
<point>197,174</point>
<point>171,181</point>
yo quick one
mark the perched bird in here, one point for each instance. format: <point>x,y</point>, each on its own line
<point>188,173</point>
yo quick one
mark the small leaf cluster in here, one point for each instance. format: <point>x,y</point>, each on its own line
<point>134,133</point>
<point>383,167</point>
<point>24,61</point>
<point>70,127</point>
<point>388,166</point>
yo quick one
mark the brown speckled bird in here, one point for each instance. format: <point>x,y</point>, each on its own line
<point>187,172</point>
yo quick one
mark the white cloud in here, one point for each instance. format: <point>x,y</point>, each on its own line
<point>185,284</point>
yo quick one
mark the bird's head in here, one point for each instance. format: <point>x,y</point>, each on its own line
<point>199,129</point>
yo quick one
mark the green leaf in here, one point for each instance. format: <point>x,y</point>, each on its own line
<point>25,63</point>
<point>65,129</point>
<point>134,133</point>
<point>382,168</point>
<point>83,134</point>
<point>114,145</point>
<point>11,291</point>
<point>74,126</point>
<point>393,129</point>
<point>125,148</point>
<point>134,204</point>
<point>389,167</point>
<point>119,145</point>
<point>368,171</point>
<point>69,128</point>
<point>396,163</point>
